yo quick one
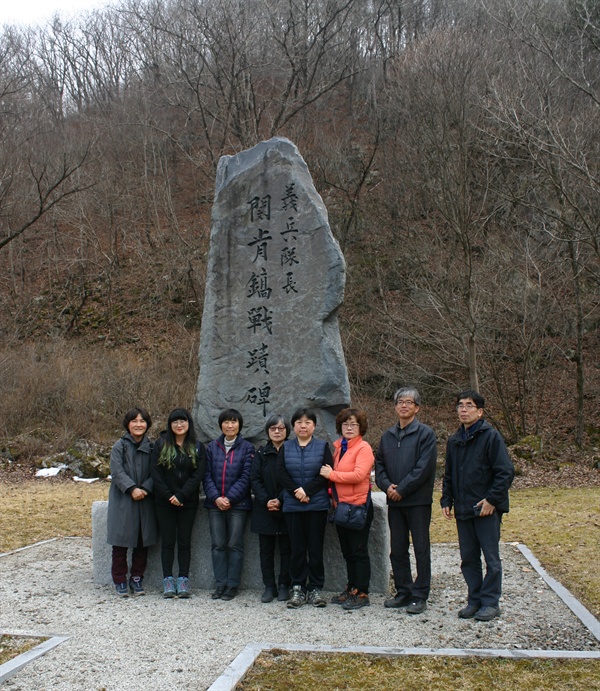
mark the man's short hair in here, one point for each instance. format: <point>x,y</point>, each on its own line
<point>410,392</point>
<point>475,396</point>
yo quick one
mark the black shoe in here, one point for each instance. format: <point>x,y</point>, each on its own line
<point>487,613</point>
<point>341,598</point>
<point>468,612</point>
<point>229,593</point>
<point>356,601</point>
<point>218,592</point>
<point>417,606</point>
<point>284,593</point>
<point>399,600</point>
<point>268,595</point>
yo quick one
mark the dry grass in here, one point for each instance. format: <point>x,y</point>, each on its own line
<point>276,670</point>
<point>11,646</point>
<point>40,509</point>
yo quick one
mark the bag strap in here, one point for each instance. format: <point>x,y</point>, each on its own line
<point>337,501</point>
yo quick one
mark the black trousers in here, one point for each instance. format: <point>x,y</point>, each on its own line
<point>355,550</point>
<point>405,523</point>
<point>267,547</point>
<point>476,536</point>
<point>176,523</point>
<point>306,530</point>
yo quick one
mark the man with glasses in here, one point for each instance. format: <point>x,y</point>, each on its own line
<point>405,470</point>
<point>477,477</point>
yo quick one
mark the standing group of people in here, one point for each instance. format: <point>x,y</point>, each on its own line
<point>289,485</point>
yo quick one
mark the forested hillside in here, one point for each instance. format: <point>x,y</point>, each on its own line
<point>455,144</point>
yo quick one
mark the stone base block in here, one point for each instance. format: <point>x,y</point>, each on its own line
<point>201,574</point>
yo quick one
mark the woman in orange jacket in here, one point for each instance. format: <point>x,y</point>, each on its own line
<point>351,474</point>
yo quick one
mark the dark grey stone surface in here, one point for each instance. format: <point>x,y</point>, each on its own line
<point>275,280</point>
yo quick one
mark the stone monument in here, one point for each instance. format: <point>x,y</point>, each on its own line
<point>270,340</point>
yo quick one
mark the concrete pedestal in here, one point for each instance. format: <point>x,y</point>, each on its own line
<point>201,574</point>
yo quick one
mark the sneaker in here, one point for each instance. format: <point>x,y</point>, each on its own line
<point>121,589</point>
<point>316,599</point>
<point>487,613</point>
<point>283,594</point>
<point>298,598</point>
<point>268,595</point>
<point>399,600</point>
<point>356,601</point>
<point>417,606</point>
<point>220,589</point>
<point>341,598</point>
<point>183,587</point>
<point>468,612</point>
<point>169,589</point>
<point>229,593</point>
<point>136,585</point>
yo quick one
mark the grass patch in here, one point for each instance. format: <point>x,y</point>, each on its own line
<point>37,510</point>
<point>11,646</point>
<point>277,669</point>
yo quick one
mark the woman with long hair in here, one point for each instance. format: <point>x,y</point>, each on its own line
<point>178,463</point>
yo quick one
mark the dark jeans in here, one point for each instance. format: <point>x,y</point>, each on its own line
<point>477,535</point>
<point>139,559</point>
<point>307,534</point>
<point>176,523</point>
<point>413,522</point>
<point>267,545</point>
<point>227,550</point>
<point>355,550</point>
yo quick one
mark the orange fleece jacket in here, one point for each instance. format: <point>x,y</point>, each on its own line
<point>352,474</point>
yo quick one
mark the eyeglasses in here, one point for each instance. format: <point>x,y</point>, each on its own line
<point>276,429</point>
<point>180,423</point>
<point>350,425</point>
<point>466,406</point>
<point>405,403</point>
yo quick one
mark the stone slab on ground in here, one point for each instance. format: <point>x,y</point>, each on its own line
<point>152,643</point>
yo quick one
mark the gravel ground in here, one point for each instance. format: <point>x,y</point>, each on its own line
<point>156,644</point>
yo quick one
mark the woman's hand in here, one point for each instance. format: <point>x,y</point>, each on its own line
<point>326,471</point>
<point>301,495</point>
<point>273,505</point>
<point>173,500</point>
<point>138,494</point>
<point>222,503</point>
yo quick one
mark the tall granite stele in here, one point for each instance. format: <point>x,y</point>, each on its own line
<point>270,340</point>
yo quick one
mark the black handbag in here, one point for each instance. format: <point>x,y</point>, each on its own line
<point>350,516</point>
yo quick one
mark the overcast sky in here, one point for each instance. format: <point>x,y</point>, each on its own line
<point>39,11</point>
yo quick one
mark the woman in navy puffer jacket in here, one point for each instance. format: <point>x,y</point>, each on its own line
<point>228,500</point>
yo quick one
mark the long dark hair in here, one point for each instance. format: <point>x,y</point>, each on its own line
<point>169,451</point>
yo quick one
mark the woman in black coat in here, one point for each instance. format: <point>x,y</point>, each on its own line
<point>178,463</point>
<point>267,516</point>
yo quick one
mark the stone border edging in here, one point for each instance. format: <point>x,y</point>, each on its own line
<point>238,669</point>
<point>581,612</point>
<point>10,668</point>
<point>22,549</point>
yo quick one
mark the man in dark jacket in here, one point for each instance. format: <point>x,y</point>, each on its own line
<point>477,477</point>
<point>405,470</point>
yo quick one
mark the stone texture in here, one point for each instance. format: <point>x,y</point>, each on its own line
<point>201,573</point>
<point>275,279</point>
